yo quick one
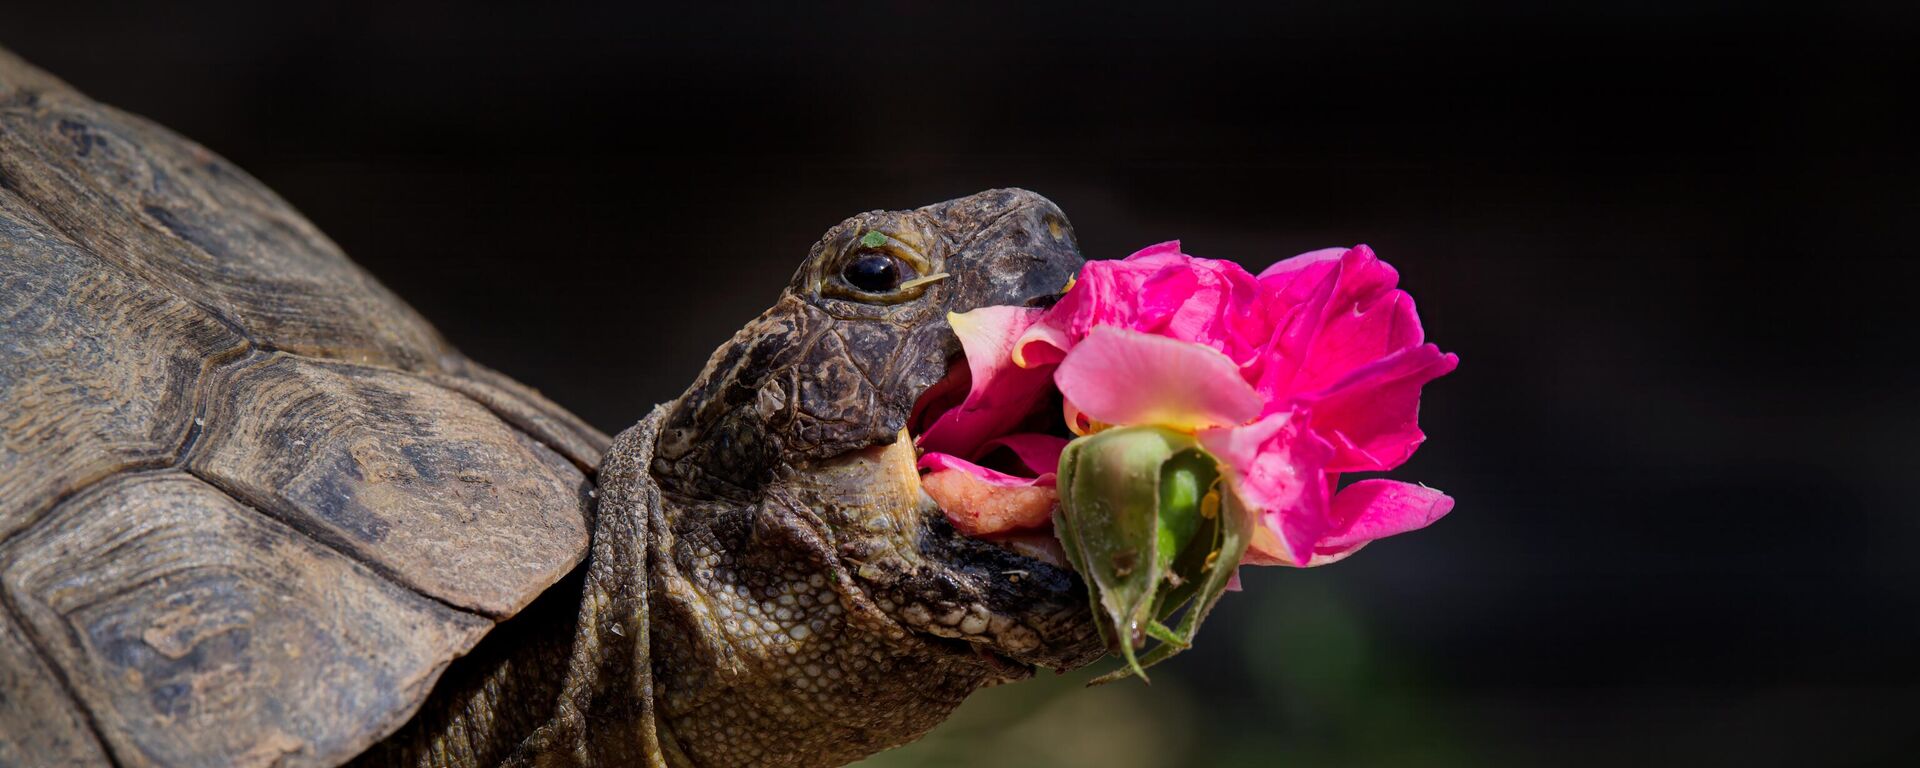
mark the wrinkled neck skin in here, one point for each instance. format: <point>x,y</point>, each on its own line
<point>769,649</point>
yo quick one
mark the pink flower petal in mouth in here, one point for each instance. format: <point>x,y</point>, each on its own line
<point>981,501</point>
<point>1037,453</point>
<point>946,462</point>
<point>1000,394</point>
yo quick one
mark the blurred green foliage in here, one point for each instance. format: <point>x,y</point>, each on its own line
<point>1291,676</point>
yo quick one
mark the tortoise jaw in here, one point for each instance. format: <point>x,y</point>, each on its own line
<point>930,579</point>
<point>1026,609</point>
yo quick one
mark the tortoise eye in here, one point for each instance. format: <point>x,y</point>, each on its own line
<point>873,272</point>
<point>879,268</point>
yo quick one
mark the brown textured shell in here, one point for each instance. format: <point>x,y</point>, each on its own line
<point>251,503</point>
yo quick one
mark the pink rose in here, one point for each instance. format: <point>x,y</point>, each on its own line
<point>1310,369</point>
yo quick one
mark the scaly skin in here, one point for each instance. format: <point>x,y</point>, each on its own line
<point>768,585</point>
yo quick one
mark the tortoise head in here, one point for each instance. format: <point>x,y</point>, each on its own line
<point>807,407</point>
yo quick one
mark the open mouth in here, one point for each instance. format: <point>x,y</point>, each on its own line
<point>991,469</point>
<point>959,508</point>
<point>1008,599</point>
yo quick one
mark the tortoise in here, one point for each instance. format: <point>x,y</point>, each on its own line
<point>255,510</point>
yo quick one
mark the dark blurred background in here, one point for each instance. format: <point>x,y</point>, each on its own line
<point>1670,241</point>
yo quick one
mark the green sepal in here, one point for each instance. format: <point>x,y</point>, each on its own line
<point>1160,632</point>
<point>1109,525</point>
<point>1235,531</point>
<point>1143,519</point>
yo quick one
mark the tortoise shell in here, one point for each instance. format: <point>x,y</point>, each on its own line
<point>251,503</point>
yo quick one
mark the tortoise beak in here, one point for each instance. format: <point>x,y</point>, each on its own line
<point>1013,247</point>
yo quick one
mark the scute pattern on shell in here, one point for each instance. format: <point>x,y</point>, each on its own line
<point>166,603</point>
<point>286,501</point>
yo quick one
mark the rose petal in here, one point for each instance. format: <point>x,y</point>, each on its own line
<point>946,462</point>
<point>1157,254</point>
<point>1302,261</point>
<point>1039,453</point>
<point>945,395</point>
<point>1265,548</point>
<point>1157,290</point>
<point>1333,316</point>
<point>981,501</point>
<point>1104,293</point>
<point>1041,344</point>
<point>1215,303</point>
<point>1163,294</point>
<point>1372,417</point>
<point>1375,509</point>
<point>1077,422</point>
<point>1277,466</point>
<point>1001,394</point>
<point>1125,377</point>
